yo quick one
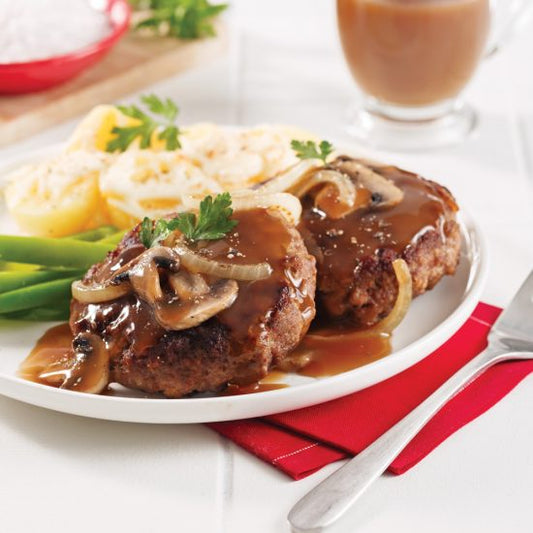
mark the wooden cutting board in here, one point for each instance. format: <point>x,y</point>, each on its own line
<point>135,62</point>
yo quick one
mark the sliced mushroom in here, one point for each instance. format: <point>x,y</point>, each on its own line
<point>91,372</point>
<point>85,368</point>
<point>140,272</point>
<point>384,193</point>
<point>144,276</point>
<point>187,285</point>
<point>190,312</point>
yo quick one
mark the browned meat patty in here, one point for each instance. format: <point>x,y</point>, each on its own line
<point>356,281</point>
<point>240,344</point>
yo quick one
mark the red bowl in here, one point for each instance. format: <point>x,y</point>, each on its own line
<point>30,76</point>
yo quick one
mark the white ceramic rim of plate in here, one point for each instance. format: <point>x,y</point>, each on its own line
<point>222,408</point>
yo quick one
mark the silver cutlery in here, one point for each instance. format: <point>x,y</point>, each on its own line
<point>511,337</point>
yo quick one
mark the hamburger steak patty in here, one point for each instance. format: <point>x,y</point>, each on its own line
<point>240,344</point>
<point>356,281</point>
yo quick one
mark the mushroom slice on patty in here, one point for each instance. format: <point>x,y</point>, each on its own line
<point>188,312</point>
<point>383,192</point>
<point>84,367</point>
<point>187,285</point>
<point>144,276</point>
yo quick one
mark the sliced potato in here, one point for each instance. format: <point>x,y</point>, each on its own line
<point>86,186</point>
<point>95,131</point>
<point>238,158</point>
<point>145,183</point>
<point>59,196</point>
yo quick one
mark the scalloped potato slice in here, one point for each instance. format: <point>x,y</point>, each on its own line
<point>145,183</point>
<point>238,158</point>
<point>95,131</point>
<point>58,197</point>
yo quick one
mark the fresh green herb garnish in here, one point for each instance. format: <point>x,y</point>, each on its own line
<point>213,222</point>
<point>151,234</point>
<point>309,149</point>
<point>184,19</point>
<point>147,125</point>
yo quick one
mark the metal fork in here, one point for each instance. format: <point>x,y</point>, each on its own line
<point>511,337</point>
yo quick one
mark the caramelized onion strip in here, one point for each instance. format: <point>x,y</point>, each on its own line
<point>308,174</point>
<point>142,273</point>
<point>291,177</point>
<point>196,263</point>
<point>346,191</point>
<point>395,317</point>
<point>98,293</point>
<point>287,205</point>
<point>244,199</point>
<point>403,300</point>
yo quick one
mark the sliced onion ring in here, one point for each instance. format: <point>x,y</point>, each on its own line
<point>291,177</point>
<point>310,173</point>
<point>346,191</point>
<point>243,199</point>
<point>392,320</point>
<point>283,203</point>
<point>99,293</point>
<point>403,300</point>
<point>196,263</point>
<point>342,182</point>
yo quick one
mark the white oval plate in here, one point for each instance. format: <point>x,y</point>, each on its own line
<point>431,320</point>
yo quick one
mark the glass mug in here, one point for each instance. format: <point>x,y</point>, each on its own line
<point>412,59</point>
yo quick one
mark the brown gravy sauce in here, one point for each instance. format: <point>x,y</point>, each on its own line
<point>344,242</point>
<point>52,362</point>
<point>52,348</point>
<point>259,237</point>
<point>332,352</point>
<point>262,237</point>
<point>272,381</point>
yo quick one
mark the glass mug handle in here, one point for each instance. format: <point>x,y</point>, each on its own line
<point>509,17</point>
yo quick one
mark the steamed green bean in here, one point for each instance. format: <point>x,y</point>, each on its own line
<point>38,295</point>
<point>13,280</point>
<point>96,234</point>
<point>67,253</point>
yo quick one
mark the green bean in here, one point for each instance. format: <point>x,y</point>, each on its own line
<point>114,238</point>
<point>10,281</point>
<point>6,266</point>
<point>93,235</point>
<point>41,294</point>
<point>61,311</point>
<point>67,253</point>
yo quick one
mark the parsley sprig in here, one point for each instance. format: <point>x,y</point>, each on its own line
<point>146,125</point>
<point>309,149</point>
<point>184,19</point>
<point>212,222</point>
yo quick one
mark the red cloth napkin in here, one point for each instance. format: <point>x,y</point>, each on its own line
<point>303,441</point>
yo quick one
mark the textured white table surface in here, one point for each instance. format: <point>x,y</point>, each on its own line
<point>60,473</point>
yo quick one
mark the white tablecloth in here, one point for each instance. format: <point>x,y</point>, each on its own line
<point>60,473</point>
